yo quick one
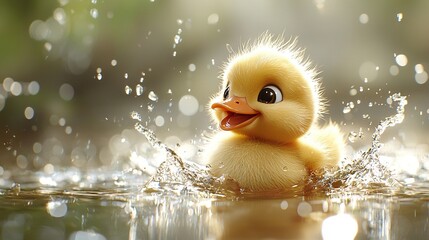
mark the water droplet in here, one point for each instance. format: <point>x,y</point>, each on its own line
<point>33,87</point>
<point>363,18</point>
<point>304,209</point>
<point>94,13</point>
<point>346,109</point>
<point>213,19</point>
<point>421,77</point>
<point>353,92</point>
<point>114,62</point>
<point>284,205</point>
<point>177,39</point>
<point>29,112</point>
<point>99,76</point>
<point>48,46</point>
<point>399,16</point>
<point>192,67</point>
<point>174,53</point>
<point>128,90</point>
<point>139,90</point>
<point>419,68</point>
<point>179,21</point>
<point>368,71</point>
<point>401,60</point>
<point>68,130</point>
<point>159,121</point>
<point>394,70</point>
<point>16,88</point>
<point>57,209</point>
<point>66,92</point>
<point>188,105</point>
<point>152,96</point>
<point>353,136</point>
<point>285,169</point>
<point>126,75</point>
<point>62,122</point>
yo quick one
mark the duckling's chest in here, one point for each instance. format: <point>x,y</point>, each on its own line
<point>255,164</point>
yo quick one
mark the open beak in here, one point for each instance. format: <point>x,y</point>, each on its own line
<point>238,113</point>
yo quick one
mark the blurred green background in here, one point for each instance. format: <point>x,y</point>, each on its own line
<point>72,71</point>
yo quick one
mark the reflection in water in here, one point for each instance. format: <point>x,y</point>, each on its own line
<point>35,215</point>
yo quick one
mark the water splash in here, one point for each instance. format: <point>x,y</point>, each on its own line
<point>175,174</point>
<point>361,171</point>
<point>365,168</point>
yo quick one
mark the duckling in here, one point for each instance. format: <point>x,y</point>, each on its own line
<point>267,111</point>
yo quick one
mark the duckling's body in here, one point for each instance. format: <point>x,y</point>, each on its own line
<point>268,110</point>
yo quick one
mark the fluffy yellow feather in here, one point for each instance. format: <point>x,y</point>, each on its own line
<point>268,110</point>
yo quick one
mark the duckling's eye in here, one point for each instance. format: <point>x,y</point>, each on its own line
<point>270,94</point>
<point>226,93</point>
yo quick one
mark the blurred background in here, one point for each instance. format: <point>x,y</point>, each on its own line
<point>72,71</point>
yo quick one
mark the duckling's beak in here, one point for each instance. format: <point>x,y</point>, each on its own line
<point>238,113</point>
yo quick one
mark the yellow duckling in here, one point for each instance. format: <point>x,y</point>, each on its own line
<point>268,110</point>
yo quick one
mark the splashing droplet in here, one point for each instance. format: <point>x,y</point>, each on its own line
<point>152,96</point>
<point>128,90</point>
<point>94,13</point>
<point>346,109</point>
<point>399,16</point>
<point>177,39</point>
<point>366,168</point>
<point>150,107</point>
<point>354,136</point>
<point>139,90</point>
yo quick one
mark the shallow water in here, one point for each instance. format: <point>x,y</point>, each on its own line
<point>74,166</point>
<point>362,199</point>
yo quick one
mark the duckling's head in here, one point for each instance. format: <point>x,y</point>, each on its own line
<point>268,92</point>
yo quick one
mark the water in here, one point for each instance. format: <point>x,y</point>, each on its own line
<point>136,186</point>
<point>362,199</point>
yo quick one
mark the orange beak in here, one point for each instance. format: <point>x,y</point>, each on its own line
<point>238,113</point>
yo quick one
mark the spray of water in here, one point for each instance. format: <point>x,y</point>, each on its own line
<point>175,174</point>
<point>365,168</point>
<point>361,171</point>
